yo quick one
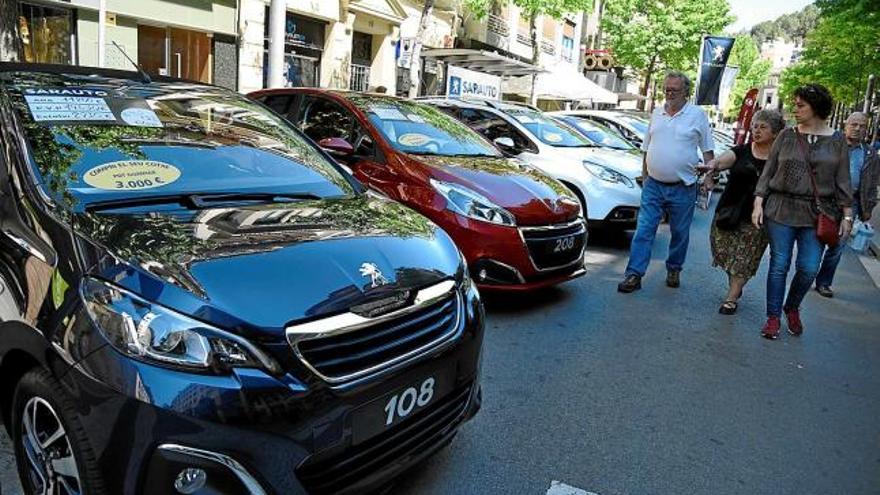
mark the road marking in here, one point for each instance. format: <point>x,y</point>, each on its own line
<point>560,488</point>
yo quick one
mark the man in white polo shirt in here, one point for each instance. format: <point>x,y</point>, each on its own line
<point>669,176</point>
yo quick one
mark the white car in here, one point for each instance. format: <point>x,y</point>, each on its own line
<point>604,180</point>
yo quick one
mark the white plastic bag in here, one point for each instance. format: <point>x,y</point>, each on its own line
<point>861,236</point>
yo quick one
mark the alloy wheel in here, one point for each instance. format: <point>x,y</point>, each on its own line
<point>53,469</point>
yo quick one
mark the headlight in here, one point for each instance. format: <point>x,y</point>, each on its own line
<point>608,174</point>
<point>152,333</point>
<point>472,204</point>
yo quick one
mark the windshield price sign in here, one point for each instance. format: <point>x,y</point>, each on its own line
<point>464,83</point>
<point>131,175</point>
<point>54,104</point>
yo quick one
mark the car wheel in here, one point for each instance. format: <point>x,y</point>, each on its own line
<point>51,449</point>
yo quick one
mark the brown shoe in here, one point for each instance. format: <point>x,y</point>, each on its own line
<point>673,279</point>
<point>630,284</point>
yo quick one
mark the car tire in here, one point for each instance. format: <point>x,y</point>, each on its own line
<point>46,425</point>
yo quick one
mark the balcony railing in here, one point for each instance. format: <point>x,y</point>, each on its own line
<point>359,78</point>
<point>524,38</point>
<point>548,47</point>
<point>498,25</point>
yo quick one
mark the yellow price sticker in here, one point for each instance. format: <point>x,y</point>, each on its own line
<point>131,175</point>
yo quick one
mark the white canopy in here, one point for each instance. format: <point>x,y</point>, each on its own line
<point>560,82</point>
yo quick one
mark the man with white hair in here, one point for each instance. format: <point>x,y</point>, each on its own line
<point>864,173</point>
<point>669,180</point>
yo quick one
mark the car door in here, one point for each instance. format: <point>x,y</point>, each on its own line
<point>322,119</point>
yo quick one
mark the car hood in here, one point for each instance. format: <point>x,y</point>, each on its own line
<point>259,268</point>
<point>623,161</point>
<point>532,196</point>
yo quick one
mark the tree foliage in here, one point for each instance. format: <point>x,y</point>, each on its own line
<point>753,71</point>
<point>790,27</point>
<point>841,52</point>
<point>648,36</point>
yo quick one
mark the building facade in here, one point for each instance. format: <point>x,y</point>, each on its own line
<point>356,44</point>
<point>180,38</point>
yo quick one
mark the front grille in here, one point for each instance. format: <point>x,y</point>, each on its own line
<point>368,345</point>
<point>555,246</point>
<point>417,435</point>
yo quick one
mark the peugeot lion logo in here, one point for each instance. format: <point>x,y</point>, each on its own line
<point>372,271</point>
<point>718,53</point>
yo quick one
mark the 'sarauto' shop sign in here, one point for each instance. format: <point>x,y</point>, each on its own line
<point>464,83</point>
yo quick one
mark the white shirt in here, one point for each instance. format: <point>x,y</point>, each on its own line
<point>672,142</point>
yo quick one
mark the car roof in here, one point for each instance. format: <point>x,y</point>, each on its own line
<point>477,103</point>
<point>88,75</point>
<point>339,93</point>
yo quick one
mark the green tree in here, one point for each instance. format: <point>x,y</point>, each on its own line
<point>841,52</point>
<point>649,36</point>
<point>753,71</point>
<point>790,27</point>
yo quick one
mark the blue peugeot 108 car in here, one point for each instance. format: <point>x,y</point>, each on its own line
<point>195,299</point>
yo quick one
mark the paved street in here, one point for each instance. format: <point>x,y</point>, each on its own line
<point>656,393</point>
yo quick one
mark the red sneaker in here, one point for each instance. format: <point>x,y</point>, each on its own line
<point>771,328</point>
<point>795,327</point>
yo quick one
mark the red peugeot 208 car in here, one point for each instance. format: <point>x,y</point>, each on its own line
<point>518,228</point>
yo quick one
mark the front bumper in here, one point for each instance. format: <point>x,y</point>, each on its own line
<point>500,257</point>
<point>283,434</point>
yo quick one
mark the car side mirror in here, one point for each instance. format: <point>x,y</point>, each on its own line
<point>337,146</point>
<point>505,143</point>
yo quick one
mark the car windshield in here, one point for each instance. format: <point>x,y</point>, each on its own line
<point>598,133</point>
<point>421,129</point>
<point>640,125</point>
<point>107,140</point>
<point>548,130</point>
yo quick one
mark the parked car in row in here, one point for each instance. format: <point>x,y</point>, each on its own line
<point>598,134</point>
<point>632,126</point>
<point>517,227</point>
<point>604,180</point>
<point>195,298</point>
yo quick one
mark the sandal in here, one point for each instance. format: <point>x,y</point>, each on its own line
<point>728,307</point>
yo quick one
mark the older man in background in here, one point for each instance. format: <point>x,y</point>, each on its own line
<point>864,173</point>
<point>669,175</point>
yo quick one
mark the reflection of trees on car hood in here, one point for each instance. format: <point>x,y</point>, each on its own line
<point>167,244</point>
<point>496,166</point>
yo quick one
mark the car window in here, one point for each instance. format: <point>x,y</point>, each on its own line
<point>598,134</point>
<point>279,103</point>
<point>322,118</point>
<point>418,128</point>
<point>492,127</point>
<point>548,130</point>
<point>92,142</point>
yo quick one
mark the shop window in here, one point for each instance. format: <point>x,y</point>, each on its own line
<point>303,47</point>
<point>568,41</point>
<point>45,34</point>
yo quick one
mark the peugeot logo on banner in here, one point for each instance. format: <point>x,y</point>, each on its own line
<point>372,271</point>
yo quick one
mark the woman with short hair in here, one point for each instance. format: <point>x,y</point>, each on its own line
<point>737,245</point>
<point>806,162</point>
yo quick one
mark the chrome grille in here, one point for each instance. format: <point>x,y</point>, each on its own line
<point>349,346</point>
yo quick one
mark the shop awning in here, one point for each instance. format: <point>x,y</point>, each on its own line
<point>561,82</point>
<point>482,61</point>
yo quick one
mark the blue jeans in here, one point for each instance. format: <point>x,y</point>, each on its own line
<point>809,253</point>
<point>832,257</point>
<point>678,201</point>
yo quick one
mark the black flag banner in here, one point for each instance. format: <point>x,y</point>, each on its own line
<point>713,59</point>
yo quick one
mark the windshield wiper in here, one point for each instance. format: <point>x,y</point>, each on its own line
<point>199,201</point>
<point>168,142</point>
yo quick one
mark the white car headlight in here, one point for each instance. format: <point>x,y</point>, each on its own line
<point>472,204</point>
<point>608,174</point>
<point>149,332</point>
